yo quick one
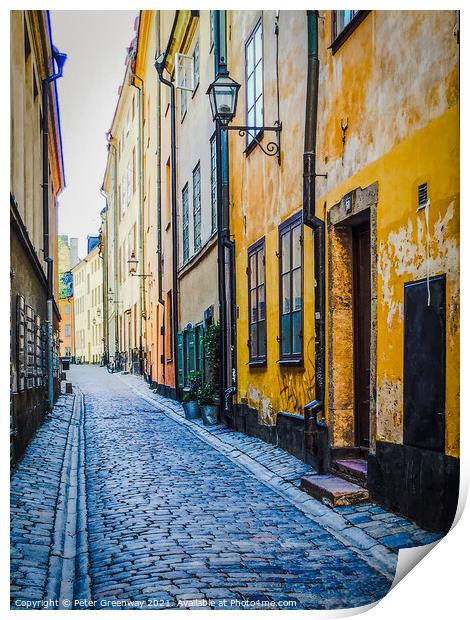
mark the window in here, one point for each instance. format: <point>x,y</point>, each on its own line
<point>67,309</point>
<point>134,182</point>
<point>196,66</point>
<point>213,185</point>
<point>211,17</point>
<point>254,80</point>
<point>185,202</point>
<point>290,282</point>
<point>128,184</point>
<point>68,330</point>
<point>257,303</point>
<point>197,207</point>
<point>341,19</point>
<point>343,24</point>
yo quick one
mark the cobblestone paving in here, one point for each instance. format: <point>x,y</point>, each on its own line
<point>389,529</point>
<point>34,492</point>
<point>174,520</point>
<point>171,519</point>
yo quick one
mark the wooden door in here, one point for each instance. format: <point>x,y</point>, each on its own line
<point>361,320</point>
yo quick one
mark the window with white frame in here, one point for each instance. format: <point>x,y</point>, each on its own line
<point>196,68</point>
<point>254,80</point>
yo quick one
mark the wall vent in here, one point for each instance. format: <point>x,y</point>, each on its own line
<point>422,196</point>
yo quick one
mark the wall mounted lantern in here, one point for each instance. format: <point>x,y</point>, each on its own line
<point>223,99</point>
<point>133,264</point>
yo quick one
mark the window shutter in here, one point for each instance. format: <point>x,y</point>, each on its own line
<point>200,348</point>
<point>180,360</point>
<point>191,350</point>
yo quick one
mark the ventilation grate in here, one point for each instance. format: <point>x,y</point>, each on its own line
<point>422,196</point>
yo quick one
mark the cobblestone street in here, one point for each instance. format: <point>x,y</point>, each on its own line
<point>180,515</point>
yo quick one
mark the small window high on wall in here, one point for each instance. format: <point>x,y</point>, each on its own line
<point>254,81</point>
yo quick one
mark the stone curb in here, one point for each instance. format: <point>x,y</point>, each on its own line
<point>366,547</point>
<point>62,573</point>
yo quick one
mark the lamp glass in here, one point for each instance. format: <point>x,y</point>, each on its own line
<point>223,95</point>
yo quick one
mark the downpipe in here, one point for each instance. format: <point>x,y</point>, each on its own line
<point>60,59</point>
<point>317,445</point>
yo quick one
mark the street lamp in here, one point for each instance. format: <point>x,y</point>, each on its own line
<point>223,99</point>
<point>133,264</point>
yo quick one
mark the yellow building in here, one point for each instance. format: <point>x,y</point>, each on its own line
<point>123,224</point>
<point>88,311</point>
<point>34,327</point>
<point>355,279</point>
<point>187,35</point>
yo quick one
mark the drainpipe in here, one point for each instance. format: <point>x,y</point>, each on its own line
<point>160,66</point>
<point>60,60</point>
<point>224,244</point>
<point>316,430</point>
<point>104,258</point>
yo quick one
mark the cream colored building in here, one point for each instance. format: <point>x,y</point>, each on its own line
<point>88,294</point>
<point>122,225</point>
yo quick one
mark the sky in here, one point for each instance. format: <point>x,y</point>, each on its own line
<point>96,45</point>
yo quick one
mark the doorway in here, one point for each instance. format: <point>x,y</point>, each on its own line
<point>362,332</point>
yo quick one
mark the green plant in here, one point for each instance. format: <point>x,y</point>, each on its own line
<point>211,349</point>
<point>194,383</point>
<point>206,393</point>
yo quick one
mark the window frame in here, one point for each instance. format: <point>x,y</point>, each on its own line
<point>286,227</point>
<point>197,215</point>
<point>213,182</point>
<point>196,74</point>
<point>254,250</point>
<point>185,223</point>
<point>339,38</point>
<point>251,140</point>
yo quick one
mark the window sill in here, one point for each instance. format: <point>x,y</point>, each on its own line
<point>347,31</point>
<point>291,361</point>
<point>254,143</point>
<point>257,363</point>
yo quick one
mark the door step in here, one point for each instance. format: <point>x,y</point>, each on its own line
<point>333,490</point>
<point>354,470</point>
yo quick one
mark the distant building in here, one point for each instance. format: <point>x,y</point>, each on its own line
<point>68,258</point>
<point>88,308</point>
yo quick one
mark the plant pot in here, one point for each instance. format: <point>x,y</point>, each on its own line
<point>209,414</point>
<point>191,410</point>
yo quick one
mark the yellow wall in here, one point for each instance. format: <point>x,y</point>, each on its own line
<point>394,83</point>
<point>263,195</point>
<point>399,94</point>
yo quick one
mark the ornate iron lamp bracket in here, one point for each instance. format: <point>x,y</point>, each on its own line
<point>272,149</point>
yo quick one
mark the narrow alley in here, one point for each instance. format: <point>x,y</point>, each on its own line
<point>171,518</point>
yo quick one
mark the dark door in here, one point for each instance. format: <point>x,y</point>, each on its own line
<point>361,313</point>
<point>424,364</point>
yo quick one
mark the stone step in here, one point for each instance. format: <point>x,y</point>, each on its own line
<point>333,490</point>
<point>354,470</point>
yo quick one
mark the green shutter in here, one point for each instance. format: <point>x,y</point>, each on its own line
<point>200,348</point>
<point>191,350</point>
<point>180,360</point>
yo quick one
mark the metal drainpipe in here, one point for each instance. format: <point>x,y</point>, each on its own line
<point>223,232</point>
<point>159,66</point>
<point>314,426</point>
<point>104,257</point>
<point>45,214</point>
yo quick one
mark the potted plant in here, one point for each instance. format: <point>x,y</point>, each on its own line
<point>205,397</point>
<point>190,397</point>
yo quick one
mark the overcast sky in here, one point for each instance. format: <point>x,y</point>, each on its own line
<point>95,43</point>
